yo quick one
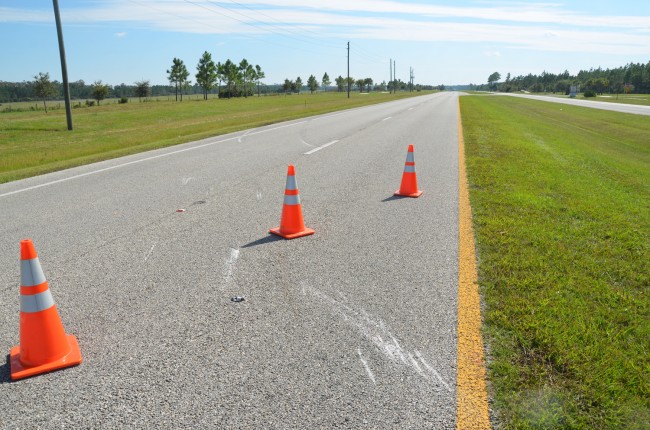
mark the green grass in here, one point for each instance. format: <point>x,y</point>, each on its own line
<point>33,142</point>
<point>561,209</point>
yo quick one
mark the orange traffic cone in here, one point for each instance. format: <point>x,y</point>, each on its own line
<point>44,346</point>
<point>292,224</point>
<point>409,185</point>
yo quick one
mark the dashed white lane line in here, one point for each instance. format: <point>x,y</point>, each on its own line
<point>320,147</point>
<point>142,160</point>
<point>387,118</point>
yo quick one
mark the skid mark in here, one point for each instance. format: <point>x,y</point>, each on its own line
<point>150,251</point>
<point>308,144</point>
<point>379,334</point>
<point>433,371</point>
<point>321,147</point>
<point>230,265</point>
<point>365,365</point>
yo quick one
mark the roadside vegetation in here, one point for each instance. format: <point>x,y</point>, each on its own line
<point>633,78</point>
<point>33,143</point>
<point>561,208</point>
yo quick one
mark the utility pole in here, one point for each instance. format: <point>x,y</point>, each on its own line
<point>348,69</point>
<point>64,68</point>
<point>390,81</point>
<point>395,77</point>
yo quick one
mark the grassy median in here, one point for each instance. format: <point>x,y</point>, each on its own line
<point>561,206</point>
<point>33,142</point>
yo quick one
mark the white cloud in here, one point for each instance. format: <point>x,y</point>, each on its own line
<point>534,26</point>
<point>492,53</point>
<point>121,34</point>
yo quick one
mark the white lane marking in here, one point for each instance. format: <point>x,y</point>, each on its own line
<point>410,108</point>
<point>320,147</point>
<point>432,370</point>
<point>387,118</point>
<point>167,154</point>
<point>243,135</point>
<point>365,364</point>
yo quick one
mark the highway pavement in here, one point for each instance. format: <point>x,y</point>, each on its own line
<point>353,327</point>
<point>616,107</point>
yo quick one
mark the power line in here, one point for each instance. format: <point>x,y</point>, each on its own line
<point>281,22</point>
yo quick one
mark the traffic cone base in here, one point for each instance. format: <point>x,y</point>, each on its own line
<point>306,232</point>
<point>416,194</point>
<point>20,371</point>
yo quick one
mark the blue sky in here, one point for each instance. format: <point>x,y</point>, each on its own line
<point>445,42</point>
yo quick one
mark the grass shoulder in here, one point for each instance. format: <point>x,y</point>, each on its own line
<point>562,220</point>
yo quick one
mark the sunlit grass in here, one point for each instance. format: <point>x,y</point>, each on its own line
<point>561,203</point>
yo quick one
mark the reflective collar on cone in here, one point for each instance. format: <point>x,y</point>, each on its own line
<point>410,158</point>
<point>292,184</point>
<point>31,273</point>
<point>36,302</point>
<point>292,199</point>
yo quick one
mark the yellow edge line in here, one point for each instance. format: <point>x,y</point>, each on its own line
<point>471,391</point>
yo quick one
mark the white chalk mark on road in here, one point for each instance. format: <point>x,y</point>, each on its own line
<point>320,147</point>
<point>259,195</point>
<point>230,264</point>
<point>150,251</point>
<point>378,334</point>
<point>187,180</point>
<point>365,365</point>
<point>432,370</point>
<point>308,144</point>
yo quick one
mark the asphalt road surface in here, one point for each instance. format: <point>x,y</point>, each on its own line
<point>616,107</point>
<point>353,327</point>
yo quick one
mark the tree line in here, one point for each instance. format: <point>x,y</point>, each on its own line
<point>633,78</point>
<point>227,79</point>
<point>238,79</point>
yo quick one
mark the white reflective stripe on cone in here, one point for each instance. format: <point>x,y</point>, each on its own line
<point>36,302</point>
<point>410,158</point>
<point>292,200</point>
<point>409,169</point>
<point>31,273</point>
<point>292,184</point>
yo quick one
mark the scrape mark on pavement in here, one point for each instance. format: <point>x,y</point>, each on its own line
<point>150,251</point>
<point>230,265</point>
<point>365,365</point>
<point>379,334</point>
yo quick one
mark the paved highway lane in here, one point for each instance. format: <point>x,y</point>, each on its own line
<point>354,326</point>
<point>616,107</point>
